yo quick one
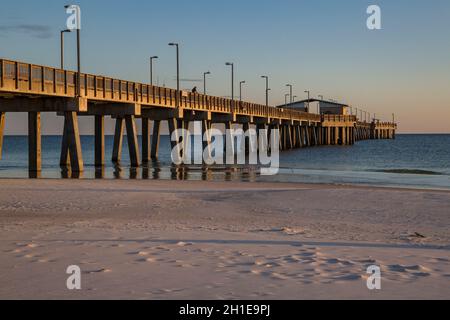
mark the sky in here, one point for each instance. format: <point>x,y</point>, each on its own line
<point>319,45</point>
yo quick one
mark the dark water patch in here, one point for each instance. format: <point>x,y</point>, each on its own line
<point>410,171</point>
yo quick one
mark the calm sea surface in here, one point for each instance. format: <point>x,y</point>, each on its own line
<point>418,161</point>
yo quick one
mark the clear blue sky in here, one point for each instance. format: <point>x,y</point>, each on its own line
<point>320,45</point>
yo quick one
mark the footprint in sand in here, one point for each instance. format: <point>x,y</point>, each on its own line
<point>396,268</point>
<point>184,244</point>
<point>274,275</point>
<point>438,260</point>
<point>163,249</point>
<point>348,277</point>
<point>45,261</point>
<point>367,261</point>
<point>150,260</point>
<point>307,254</point>
<point>98,271</point>
<point>332,261</point>
<point>417,271</point>
<point>139,253</point>
<point>421,274</point>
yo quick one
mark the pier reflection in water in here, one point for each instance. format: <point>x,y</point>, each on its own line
<point>157,171</point>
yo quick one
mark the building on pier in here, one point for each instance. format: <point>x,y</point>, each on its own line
<point>322,106</point>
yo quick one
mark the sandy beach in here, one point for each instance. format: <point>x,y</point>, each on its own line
<point>208,240</point>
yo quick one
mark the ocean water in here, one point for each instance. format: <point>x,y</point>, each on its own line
<point>414,161</point>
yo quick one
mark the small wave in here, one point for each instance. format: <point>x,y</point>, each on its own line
<point>411,171</point>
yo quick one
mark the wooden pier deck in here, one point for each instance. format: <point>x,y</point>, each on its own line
<point>35,89</point>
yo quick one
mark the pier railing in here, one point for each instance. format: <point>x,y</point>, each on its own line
<point>338,118</point>
<point>29,79</point>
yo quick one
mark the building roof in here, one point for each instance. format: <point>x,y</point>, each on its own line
<point>337,104</point>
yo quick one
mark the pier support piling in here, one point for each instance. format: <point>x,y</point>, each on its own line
<point>71,144</point>
<point>133,145</point>
<point>156,138</point>
<point>290,144</point>
<point>145,140</point>
<point>99,141</point>
<point>206,138</point>
<point>118,141</point>
<point>2,129</point>
<point>229,145</point>
<point>173,126</point>
<point>34,142</point>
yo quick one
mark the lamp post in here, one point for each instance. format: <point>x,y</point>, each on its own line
<point>204,81</point>
<point>290,88</point>
<point>173,44</point>
<point>151,69</point>
<point>267,89</point>
<point>232,82</point>
<point>293,98</point>
<point>75,24</point>
<point>318,104</point>
<point>240,89</point>
<point>285,99</point>
<point>62,47</point>
<point>307,91</point>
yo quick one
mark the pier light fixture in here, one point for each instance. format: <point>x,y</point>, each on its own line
<point>240,89</point>
<point>318,103</point>
<point>151,68</point>
<point>285,99</point>
<point>309,93</point>
<point>62,47</point>
<point>290,92</point>
<point>74,23</point>
<point>173,44</point>
<point>267,89</point>
<point>231,64</point>
<point>204,80</point>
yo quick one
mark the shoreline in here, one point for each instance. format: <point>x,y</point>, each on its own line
<point>267,183</point>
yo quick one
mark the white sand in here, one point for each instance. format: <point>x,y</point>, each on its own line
<point>199,240</point>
